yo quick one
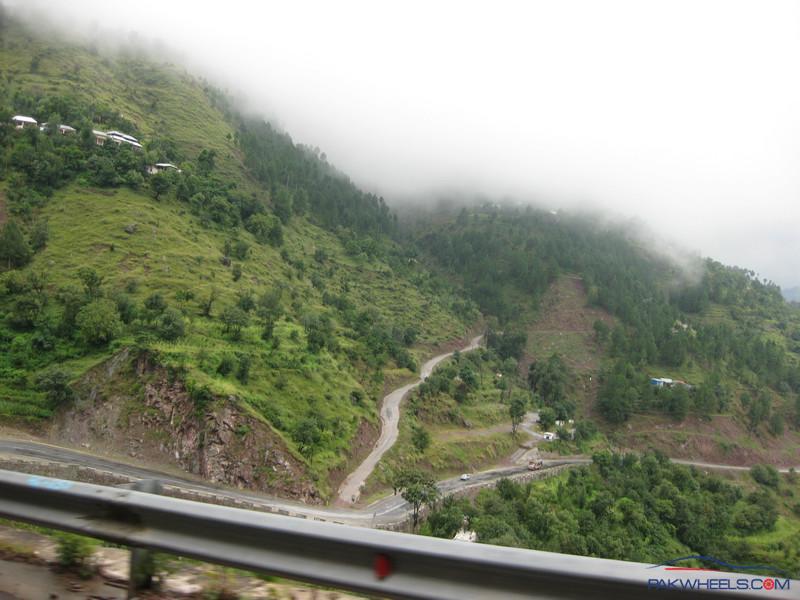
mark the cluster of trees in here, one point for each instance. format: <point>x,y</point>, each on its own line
<point>550,380</point>
<point>44,325</point>
<point>380,339</point>
<point>300,179</point>
<point>295,178</point>
<point>625,389</point>
<point>458,379</point>
<point>507,344</point>
<point>84,312</point>
<point>454,384</point>
<point>623,507</point>
<point>39,162</point>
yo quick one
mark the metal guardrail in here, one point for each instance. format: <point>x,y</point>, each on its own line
<point>362,560</point>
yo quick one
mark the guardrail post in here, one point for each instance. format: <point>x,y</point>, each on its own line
<point>142,567</point>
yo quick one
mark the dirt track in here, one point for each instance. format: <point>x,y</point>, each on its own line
<point>350,489</point>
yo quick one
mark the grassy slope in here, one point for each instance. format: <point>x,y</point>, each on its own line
<point>162,100</point>
<point>171,251</point>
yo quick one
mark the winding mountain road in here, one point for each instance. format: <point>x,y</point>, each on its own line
<point>350,489</point>
<point>390,510</point>
<point>387,511</point>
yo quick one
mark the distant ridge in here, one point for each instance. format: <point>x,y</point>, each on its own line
<point>792,294</point>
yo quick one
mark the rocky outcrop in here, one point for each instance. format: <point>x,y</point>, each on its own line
<point>132,406</point>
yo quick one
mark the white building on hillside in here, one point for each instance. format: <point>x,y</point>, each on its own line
<point>21,121</point>
<point>123,138</point>
<point>100,137</point>
<point>62,129</point>
<point>161,168</point>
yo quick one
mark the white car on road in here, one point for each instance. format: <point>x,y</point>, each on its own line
<point>465,477</point>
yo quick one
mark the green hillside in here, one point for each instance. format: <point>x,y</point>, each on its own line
<point>239,313</point>
<point>292,299</point>
<point>728,338</point>
<point>256,274</point>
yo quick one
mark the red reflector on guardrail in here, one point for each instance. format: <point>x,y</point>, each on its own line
<point>383,566</point>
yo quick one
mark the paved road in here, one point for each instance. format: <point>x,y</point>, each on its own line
<point>350,489</point>
<point>386,511</point>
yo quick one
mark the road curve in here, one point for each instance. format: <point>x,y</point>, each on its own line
<point>350,489</point>
<point>390,510</point>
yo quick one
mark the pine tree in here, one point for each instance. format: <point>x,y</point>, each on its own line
<point>14,250</point>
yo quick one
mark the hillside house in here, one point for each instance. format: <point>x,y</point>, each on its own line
<point>62,129</point>
<point>161,168</point>
<point>21,121</point>
<point>100,137</point>
<point>123,138</point>
<point>661,382</point>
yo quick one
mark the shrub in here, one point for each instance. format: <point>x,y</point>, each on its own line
<point>74,552</point>
<point>765,475</point>
<point>14,250</point>
<point>40,233</point>
<point>226,365</point>
<point>98,322</point>
<point>201,396</point>
<point>20,352</point>
<point>170,325</point>
<point>234,320</point>
<point>243,372</point>
<point>55,385</point>
<point>155,303</point>
<point>126,307</point>
<point>241,249</point>
<point>267,229</point>
<point>420,438</point>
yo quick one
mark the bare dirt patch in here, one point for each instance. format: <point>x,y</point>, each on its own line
<point>566,325</point>
<point>719,440</point>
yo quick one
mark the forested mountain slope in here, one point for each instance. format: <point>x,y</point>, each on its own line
<point>253,276</point>
<point>727,340</point>
<point>255,294</point>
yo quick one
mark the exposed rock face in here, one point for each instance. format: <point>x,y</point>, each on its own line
<point>132,406</point>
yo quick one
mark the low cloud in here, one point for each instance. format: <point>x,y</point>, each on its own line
<point>681,114</point>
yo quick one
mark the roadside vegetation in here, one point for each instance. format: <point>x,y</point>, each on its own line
<point>638,508</point>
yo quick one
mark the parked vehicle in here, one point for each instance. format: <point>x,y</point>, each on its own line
<point>465,477</point>
<point>535,465</point>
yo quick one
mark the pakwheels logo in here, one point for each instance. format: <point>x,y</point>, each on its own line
<point>722,581</point>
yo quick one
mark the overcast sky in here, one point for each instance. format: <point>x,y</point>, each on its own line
<point>685,115</point>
